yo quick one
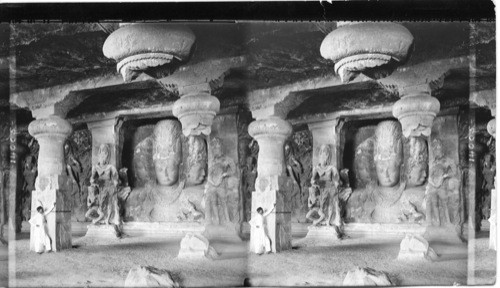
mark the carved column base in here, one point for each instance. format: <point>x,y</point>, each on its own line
<point>50,189</point>
<point>278,223</point>
<point>319,236</point>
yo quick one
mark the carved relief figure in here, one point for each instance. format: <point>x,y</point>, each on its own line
<point>388,153</point>
<point>167,151</point>
<point>293,166</point>
<point>220,185</point>
<point>30,172</point>
<point>104,179</point>
<point>197,160</point>
<point>443,189</point>
<point>189,212</point>
<point>488,169</point>
<point>293,170</point>
<point>248,175</point>
<point>73,166</point>
<point>417,163</point>
<point>325,178</point>
<point>314,205</point>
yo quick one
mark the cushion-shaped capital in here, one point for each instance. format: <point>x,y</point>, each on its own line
<point>142,47</point>
<point>50,126</point>
<point>196,112</point>
<point>361,47</point>
<point>272,126</point>
<point>416,113</point>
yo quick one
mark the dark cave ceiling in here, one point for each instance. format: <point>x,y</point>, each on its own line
<point>277,54</point>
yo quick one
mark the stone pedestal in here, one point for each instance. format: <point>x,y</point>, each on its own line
<point>367,277</point>
<point>102,231</point>
<point>225,233</point>
<point>271,185</point>
<point>416,248</point>
<point>51,185</point>
<point>196,246</point>
<point>319,236</point>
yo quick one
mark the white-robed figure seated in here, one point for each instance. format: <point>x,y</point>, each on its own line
<point>261,242</point>
<point>41,236</point>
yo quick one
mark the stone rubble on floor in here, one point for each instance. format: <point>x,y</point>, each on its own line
<point>148,276</point>
<point>367,277</point>
<point>415,248</point>
<point>195,246</point>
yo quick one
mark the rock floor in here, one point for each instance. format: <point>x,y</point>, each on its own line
<point>105,263</point>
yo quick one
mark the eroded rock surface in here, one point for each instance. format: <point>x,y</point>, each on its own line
<point>415,247</point>
<point>148,276</point>
<point>367,277</point>
<point>195,246</point>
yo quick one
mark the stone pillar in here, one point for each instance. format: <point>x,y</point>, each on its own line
<point>272,185</point>
<point>326,132</point>
<point>51,185</point>
<point>106,131</point>
<point>493,214</point>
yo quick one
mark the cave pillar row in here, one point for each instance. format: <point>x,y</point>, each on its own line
<point>107,131</point>
<point>52,184</point>
<point>271,185</point>
<point>327,133</point>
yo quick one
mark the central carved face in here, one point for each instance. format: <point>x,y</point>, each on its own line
<point>388,153</point>
<point>167,151</point>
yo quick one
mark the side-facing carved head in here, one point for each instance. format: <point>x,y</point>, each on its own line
<point>364,165</point>
<point>417,163</point>
<point>103,154</point>
<point>388,154</point>
<point>324,155</point>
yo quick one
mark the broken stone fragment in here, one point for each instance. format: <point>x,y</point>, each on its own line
<point>367,277</point>
<point>195,246</point>
<point>148,276</point>
<point>415,247</point>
